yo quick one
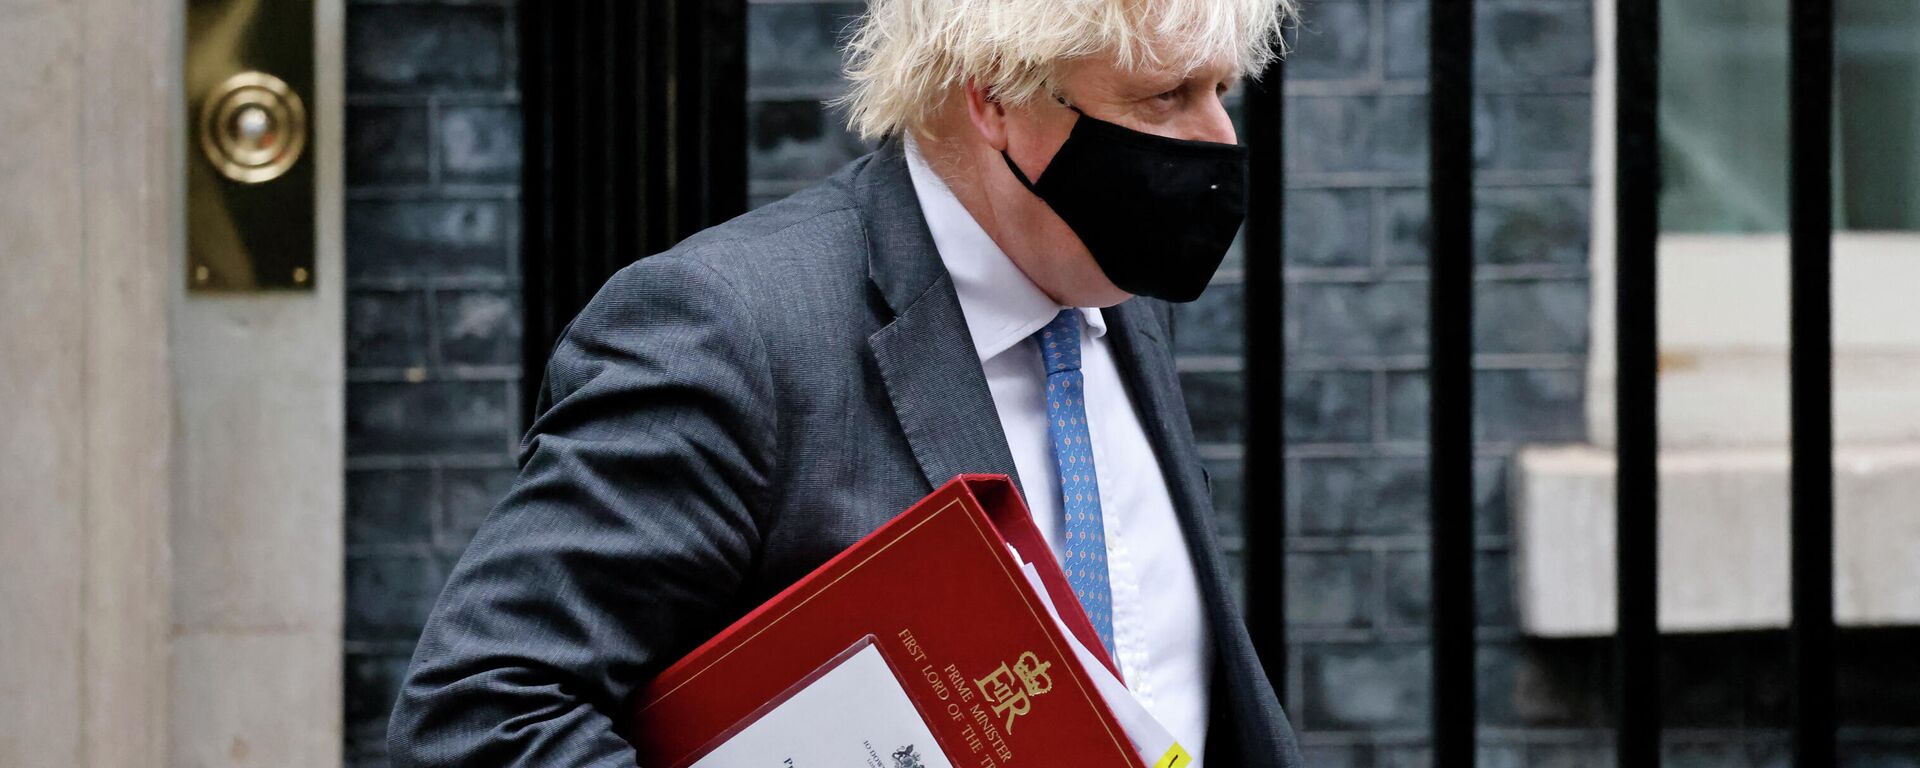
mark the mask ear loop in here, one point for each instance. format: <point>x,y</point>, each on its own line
<point>1018,174</point>
<point>1021,175</point>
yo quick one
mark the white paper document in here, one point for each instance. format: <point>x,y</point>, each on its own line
<point>855,715</point>
<point>1150,739</point>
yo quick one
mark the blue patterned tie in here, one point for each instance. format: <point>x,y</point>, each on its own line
<point>1084,552</point>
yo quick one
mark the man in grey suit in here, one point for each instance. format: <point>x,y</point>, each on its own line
<point>985,293</point>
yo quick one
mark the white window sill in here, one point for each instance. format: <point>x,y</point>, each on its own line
<point>1723,539</point>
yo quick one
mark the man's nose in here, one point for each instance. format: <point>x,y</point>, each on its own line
<point>1211,122</point>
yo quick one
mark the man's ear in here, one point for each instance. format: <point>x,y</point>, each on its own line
<point>988,115</point>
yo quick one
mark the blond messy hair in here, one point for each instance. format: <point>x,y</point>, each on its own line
<point>905,55</point>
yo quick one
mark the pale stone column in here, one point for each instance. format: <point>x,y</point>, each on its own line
<point>170,465</point>
<point>87,227</point>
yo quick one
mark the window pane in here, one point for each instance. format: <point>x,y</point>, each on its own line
<point>1879,128</point>
<point>1723,121</point>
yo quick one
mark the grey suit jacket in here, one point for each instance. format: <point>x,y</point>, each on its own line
<point>719,421</point>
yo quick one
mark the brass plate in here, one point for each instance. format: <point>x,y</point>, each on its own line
<point>250,176</point>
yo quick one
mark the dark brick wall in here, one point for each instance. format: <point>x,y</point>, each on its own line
<point>433,152</point>
<point>1356,397</point>
<point>433,319</point>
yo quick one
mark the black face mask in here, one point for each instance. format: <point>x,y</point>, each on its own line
<point>1157,213</point>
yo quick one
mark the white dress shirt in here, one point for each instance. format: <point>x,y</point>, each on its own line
<point>1160,633</point>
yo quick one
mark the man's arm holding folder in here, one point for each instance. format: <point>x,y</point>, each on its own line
<point>623,542</point>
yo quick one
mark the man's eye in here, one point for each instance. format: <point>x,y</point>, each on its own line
<point>1168,95</point>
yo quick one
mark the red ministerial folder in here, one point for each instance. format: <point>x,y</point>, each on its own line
<point>940,589</point>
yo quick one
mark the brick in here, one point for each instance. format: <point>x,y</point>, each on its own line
<point>1406,403</point>
<point>386,145</point>
<point>1408,234</point>
<point>480,144</point>
<point>1513,41</point>
<point>422,238</point>
<point>1340,756</point>
<point>1357,319</point>
<point>478,327</point>
<point>386,507</point>
<point>1344,497</point>
<point>1365,686</point>
<point>1530,225</point>
<point>1406,43</point>
<point>1545,685</point>
<point>1510,406</point>
<point>1332,42</point>
<point>1403,757</point>
<point>1214,324</point>
<point>1902,754</point>
<point>1594,755</point>
<point>1385,496</point>
<point>1705,755</point>
<point>797,141</point>
<point>1216,402</point>
<point>372,682</point>
<point>1530,316</point>
<point>386,328</point>
<point>420,48</point>
<point>469,496</point>
<point>1356,134</point>
<point>1541,40</point>
<point>1531,406</point>
<point>1500,756</point>
<point>389,595</point>
<point>796,45</point>
<point>1329,407</point>
<point>1523,225</point>
<point>1329,228</point>
<point>385,418</point>
<point>1534,132</point>
<point>1491,515</point>
<point>1329,589</point>
<point>1408,598</point>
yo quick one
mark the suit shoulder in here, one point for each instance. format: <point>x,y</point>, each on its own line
<point>814,232</point>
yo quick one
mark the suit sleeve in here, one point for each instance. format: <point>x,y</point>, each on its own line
<point>622,543</point>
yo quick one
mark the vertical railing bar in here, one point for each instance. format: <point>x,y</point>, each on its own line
<point>725,116</point>
<point>1811,321</point>
<point>1263,466</point>
<point>1636,395</point>
<point>1451,438</point>
<point>536,179</point>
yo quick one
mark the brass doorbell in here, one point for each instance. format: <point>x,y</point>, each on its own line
<point>250,176</point>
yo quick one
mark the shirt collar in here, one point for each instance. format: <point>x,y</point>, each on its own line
<point>1002,306</point>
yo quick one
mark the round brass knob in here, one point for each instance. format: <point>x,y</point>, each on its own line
<point>253,127</point>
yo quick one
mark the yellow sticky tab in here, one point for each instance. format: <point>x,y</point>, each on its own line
<point>1176,757</point>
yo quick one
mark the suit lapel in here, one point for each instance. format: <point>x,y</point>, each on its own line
<point>1148,372</point>
<point>1147,368</point>
<point>925,356</point>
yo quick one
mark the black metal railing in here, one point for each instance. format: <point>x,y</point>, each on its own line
<point>1450,438</point>
<point>1636,368</point>
<point>1264,334</point>
<point>1810,323</point>
<point>1451,441</point>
